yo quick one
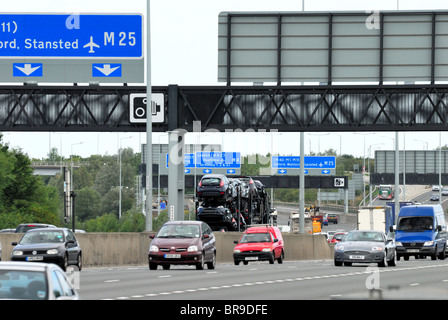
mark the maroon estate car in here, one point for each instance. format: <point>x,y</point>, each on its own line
<point>183,242</point>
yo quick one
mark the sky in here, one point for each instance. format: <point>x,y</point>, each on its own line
<point>184,51</point>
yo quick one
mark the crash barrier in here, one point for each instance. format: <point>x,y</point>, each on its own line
<point>118,249</point>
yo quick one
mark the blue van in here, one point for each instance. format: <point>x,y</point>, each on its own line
<point>421,232</point>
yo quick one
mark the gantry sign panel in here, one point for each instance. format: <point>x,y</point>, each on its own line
<point>413,161</point>
<point>73,48</point>
<point>228,109</point>
<point>330,47</point>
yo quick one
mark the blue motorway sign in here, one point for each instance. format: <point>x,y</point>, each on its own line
<point>311,162</point>
<point>218,160</point>
<point>74,36</point>
<point>188,160</point>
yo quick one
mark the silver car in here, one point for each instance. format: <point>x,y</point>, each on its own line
<point>365,246</point>
<point>35,281</point>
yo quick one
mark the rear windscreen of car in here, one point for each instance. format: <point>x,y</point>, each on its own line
<point>18,284</point>
<point>23,229</point>
<point>210,181</point>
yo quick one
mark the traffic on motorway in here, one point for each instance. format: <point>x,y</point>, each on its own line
<point>418,231</point>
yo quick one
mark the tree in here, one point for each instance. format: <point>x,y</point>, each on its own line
<point>88,204</point>
<point>23,196</point>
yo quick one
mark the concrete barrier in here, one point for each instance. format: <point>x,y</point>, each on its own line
<point>117,249</point>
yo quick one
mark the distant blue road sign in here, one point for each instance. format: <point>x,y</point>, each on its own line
<point>218,160</point>
<point>75,36</point>
<point>293,162</point>
<point>188,160</point>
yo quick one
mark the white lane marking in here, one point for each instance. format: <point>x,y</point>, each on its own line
<point>277,281</point>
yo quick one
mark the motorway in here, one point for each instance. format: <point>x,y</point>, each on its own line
<point>292,280</point>
<point>260,281</point>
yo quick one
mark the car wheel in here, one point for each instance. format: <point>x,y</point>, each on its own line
<point>442,254</point>
<point>235,262</point>
<point>200,265</point>
<point>393,261</point>
<point>271,258</point>
<point>434,255</point>
<point>166,267</point>
<point>382,264</point>
<point>152,266</point>
<point>64,264</point>
<point>211,265</point>
<point>282,256</point>
<point>337,263</point>
<point>79,264</point>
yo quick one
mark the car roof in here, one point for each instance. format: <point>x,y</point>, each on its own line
<point>47,229</point>
<point>176,222</point>
<point>259,229</point>
<point>30,266</point>
<point>362,230</point>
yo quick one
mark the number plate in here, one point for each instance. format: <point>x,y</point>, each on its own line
<point>172,256</point>
<point>413,250</point>
<point>357,257</point>
<point>251,258</point>
<point>34,258</point>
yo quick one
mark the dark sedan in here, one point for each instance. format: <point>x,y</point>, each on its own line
<point>365,246</point>
<point>215,187</point>
<point>52,245</point>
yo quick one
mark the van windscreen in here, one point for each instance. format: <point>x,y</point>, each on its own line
<point>255,237</point>
<point>415,223</point>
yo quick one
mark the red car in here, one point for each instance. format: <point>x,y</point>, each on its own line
<point>337,237</point>
<point>185,243</point>
<point>259,243</point>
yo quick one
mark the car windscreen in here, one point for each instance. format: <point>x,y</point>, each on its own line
<point>179,231</point>
<point>255,237</point>
<point>364,236</point>
<point>415,223</point>
<point>42,236</point>
<point>20,284</point>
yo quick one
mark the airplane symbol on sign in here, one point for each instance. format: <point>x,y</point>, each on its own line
<point>92,45</point>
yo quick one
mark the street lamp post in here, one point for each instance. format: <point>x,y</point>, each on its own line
<point>119,191</point>
<point>72,185</point>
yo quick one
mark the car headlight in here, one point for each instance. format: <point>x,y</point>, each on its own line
<point>338,248</point>
<point>398,244</point>
<point>153,249</point>
<point>266,250</point>
<point>52,251</point>
<point>17,253</point>
<point>237,251</point>
<point>192,249</point>
<point>376,248</point>
<point>428,243</point>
